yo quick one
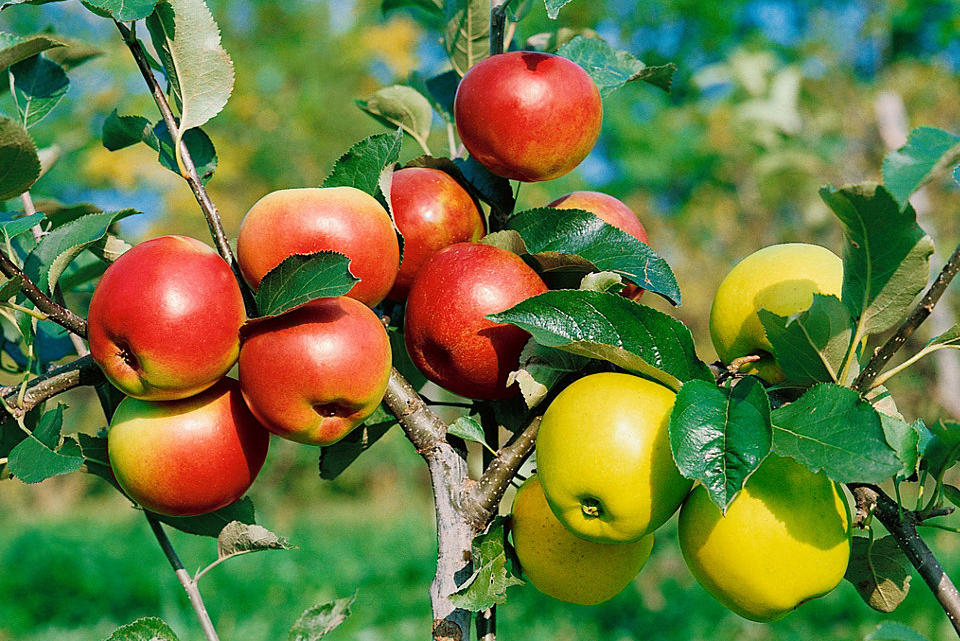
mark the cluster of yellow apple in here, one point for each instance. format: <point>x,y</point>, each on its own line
<point>583,525</point>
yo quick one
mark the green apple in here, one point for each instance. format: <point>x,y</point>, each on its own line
<point>565,566</point>
<point>781,279</point>
<point>785,539</point>
<point>603,456</point>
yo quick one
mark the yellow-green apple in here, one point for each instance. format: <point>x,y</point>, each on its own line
<point>527,115</point>
<point>784,539</point>
<point>445,329</point>
<point>781,279</point>
<point>314,373</point>
<point>563,565</point>
<point>190,456</point>
<point>604,460</point>
<point>612,211</point>
<point>308,220</point>
<point>164,320</point>
<point>431,210</point>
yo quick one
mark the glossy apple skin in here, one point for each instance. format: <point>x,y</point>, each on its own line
<point>431,210</point>
<point>528,116</point>
<point>307,220</point>
<point>613,211</point>
<point>164,320</point>
<point>315,373</point>
<point>445,331</point>
<point>187,457</point>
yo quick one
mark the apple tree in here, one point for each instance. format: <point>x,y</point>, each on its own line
<point>544,326</point>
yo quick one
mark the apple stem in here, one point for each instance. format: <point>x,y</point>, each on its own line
<point>189,585</point>
<point>498,25</point>
<point>185,160</point>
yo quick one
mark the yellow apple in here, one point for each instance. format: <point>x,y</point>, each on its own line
<point>784,540</point>
<point>781,279</point>
<point>603,456</point>
<point>565,566</point>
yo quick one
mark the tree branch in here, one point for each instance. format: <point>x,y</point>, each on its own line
<point>210,212</point>
<point>886,351</point>
<point>58,314</point>
<point>902,524</point>
<point>80,372</point>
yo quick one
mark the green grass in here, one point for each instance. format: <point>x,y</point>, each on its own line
<point>77,572</point>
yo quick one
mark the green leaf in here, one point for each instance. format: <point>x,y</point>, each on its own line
<point>14,48</point>
<point>492,189</point>
<point>612,328</point>
<point>335,458</point>
<point>431,6</point>
<point>19,163</point>
<point>952,494</point>
<point>301,278</point>
<point>492,573</point>
<point>365,161</point>
<point>942,449</point>
<point>59,247</point>
<point>550,234</point>
<point>239,538</point>
<point>14,224</point>
<point>442,90</point>
<point>122,131</point>
<point>894,631</point>
<point>468,429</point>
<point>466,37</point>
<point>317,621</point>
<point>212,524</point>
<point>121,10</point>
<point>401,106</point>
<point>10,288</point>
<point>199,146</point>
<point>904,438</point>
<point>831,428</point>
<point>928,153</point>
<point>879,571</point>
<point>811,346</point>
<point>95,458</point>
<point>145,629</point>
<point>187,40</point>
<point>541,368</point>
<point>36,458</point>
<point>73,54</point>
<point>38,85</point>
<point>886,257</point>
<point>950,337</point>
<point>611,68</point>
<point>553,7</point>
<point>719,435</point>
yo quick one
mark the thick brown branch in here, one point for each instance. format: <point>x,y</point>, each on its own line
<point>886,351</point>
<point>424,428</point>
<point>82,371</point>
<point>57,313</point>
<point>481,503</point>
<point>902,524</point>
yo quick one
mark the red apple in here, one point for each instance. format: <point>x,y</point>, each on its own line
<point>313,374</point>
<point>612,211</point>
<point>431,211</point>
<point>303,221</point>
<point>187,457</point>
<point>527,115</point>
<point>164,319</point>
<point>444,327</point>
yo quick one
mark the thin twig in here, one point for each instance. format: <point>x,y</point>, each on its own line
<point>77,373</point>
<point>886,351</point>
<point>58,314</point>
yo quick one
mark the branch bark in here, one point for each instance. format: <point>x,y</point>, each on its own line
<point>80,372</point>
<point>902,524</point>
<point>58,314</point>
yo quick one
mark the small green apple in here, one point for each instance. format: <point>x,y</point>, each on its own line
<point>565,566</point>
<point>784,539</point>
<point>603,456</point>
<point>781,279</point>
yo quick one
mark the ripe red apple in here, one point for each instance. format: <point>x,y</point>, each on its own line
<point>612,211</point>
<point>313,374</point>
<point>527,115</point>
<point>303,221</point>
<point>431,211</point>
<point>187,457</point>
<point>164,320</point>
<point>444,327</point>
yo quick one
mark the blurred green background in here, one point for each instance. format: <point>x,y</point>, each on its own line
<point>772,100</point>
